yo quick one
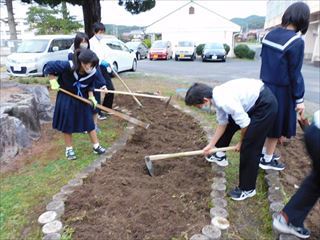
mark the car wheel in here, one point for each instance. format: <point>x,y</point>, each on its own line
<point>114,68</point>
<point>138,56</point>
<point>150,59</point>
<point>134,65</point>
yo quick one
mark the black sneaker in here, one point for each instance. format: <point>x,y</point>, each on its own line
<point>281,225</point>
<point>70,154</point>
<point>221,161</point>
<point>238,194</point>
<point>99,150</point>
<point>102,116</point>
<point>276,157</point>
<point>273,164</point>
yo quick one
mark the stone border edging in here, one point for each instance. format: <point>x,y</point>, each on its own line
<point>219,212</point>
<point>52,227</point>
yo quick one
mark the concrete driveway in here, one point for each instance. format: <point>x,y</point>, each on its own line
<point>209,72</point>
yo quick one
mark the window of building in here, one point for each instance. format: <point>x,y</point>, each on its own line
<point>191,10</point>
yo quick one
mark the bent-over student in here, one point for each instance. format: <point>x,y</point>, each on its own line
<point>241,104</point>
<point>70,114</point>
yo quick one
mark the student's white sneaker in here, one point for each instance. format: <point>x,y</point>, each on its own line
<point>221,161</point>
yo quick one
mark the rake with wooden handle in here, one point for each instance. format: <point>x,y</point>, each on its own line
<point>167,99</point>
<point>149,159</point>
<point>105,109</point>
<point>126,86</point>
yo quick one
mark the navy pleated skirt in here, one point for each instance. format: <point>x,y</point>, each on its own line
<point>286,120</point>
<point>71,115</point>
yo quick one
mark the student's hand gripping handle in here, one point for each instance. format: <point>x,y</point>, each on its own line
<point>54,84</point>
<point>93,101</point>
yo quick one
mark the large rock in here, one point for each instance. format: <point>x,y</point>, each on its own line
<point>22,107</point>
<point>9,146</point>
<point>42,98</point>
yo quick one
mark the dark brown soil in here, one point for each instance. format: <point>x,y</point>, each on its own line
<point>298,165</point>
<point>123,202</point>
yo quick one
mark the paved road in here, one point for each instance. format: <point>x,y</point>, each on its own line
<point>233,68</point>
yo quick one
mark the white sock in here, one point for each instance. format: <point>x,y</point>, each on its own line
<point>220,154</point>
<point>267,158</point>
<point>68,148</point>
<point>264,150</point>
<point>95,145</point>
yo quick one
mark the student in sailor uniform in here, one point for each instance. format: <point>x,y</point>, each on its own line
<point>81,41</point>
<point>71,115</point>
<point>101,51</point>
<point>244,104</point>
<point>282,57</point>
<point>290,219</point>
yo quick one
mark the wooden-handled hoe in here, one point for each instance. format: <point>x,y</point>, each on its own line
<point>164,98</point>
<point>105,109</point>
<point>151,158</point>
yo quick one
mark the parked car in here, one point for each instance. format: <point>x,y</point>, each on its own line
<point>161,50</point>
<point>33,54</point>
<point>214,52</point>
<point>139,48</point>
<point>185,50</point>
<point>119,55</point>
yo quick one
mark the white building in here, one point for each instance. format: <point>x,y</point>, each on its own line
<point>275,10</point>
<point>196,23</point>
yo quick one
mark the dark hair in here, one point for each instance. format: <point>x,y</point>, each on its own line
<point>80,36</point>
<point>297,14</point>
<point>98,27</point>
<point>84,56</point>
<point>196,93</point>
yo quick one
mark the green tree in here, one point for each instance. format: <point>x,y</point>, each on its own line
<point>48,21</point>
<point>92,9</point>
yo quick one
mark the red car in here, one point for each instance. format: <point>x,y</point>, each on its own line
<point>161,50</point>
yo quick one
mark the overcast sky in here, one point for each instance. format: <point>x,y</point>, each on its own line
<point>112,13</point>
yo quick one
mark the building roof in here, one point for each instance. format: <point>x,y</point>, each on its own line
<point>202,19</point>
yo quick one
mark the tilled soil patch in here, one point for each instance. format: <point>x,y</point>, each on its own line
<point>298,166</point>
<point>123,202</point>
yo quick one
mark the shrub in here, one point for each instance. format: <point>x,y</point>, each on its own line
<point>199,49</point>
<point>227,48</point>
<point>243,51</point>
<point>251,54</point>
<point>147,42</point>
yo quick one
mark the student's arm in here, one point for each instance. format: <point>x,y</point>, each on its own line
<point>216,136</point>
<point>53,69</point>
<point>243,133</point>
<point>56,67</point>
<point>295,61</point>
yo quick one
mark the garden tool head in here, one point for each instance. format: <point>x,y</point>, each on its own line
<point>149,165</point>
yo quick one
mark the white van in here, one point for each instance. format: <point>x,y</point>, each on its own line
<point>33,54</point>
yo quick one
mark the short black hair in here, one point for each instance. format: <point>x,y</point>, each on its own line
<point>297,14</point>
<point>98,26</point>
<point>196,93</point>
<point>80,36</point>
<point>84,56</point>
